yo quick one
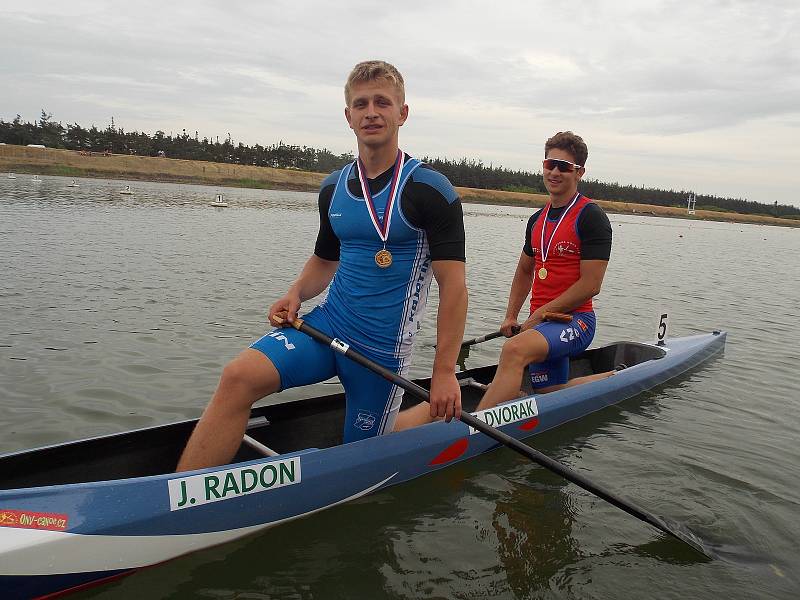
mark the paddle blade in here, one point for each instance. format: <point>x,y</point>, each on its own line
<point>681,532</point>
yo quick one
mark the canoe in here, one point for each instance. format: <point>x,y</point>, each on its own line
<point>80,513</point>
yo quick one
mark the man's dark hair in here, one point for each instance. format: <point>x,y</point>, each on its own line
<point>568,141</point>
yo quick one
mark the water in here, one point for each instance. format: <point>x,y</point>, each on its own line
<point>118,312</point>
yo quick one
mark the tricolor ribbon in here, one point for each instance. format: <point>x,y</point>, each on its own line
<point>546,250</point>
<point>381,228</point>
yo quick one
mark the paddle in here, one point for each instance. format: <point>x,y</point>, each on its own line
<point>547,316</point>
<point>668,526</point>
<point>481,338</point>
<point>485,338</point>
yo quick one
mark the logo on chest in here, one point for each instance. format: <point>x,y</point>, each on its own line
<point>565,248</point>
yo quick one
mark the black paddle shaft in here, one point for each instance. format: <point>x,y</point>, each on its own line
<point>670,527</point>
<point>482,338</point>
<point>485,338</point>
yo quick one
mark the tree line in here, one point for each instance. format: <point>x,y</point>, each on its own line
<point>116,140</point>
<point>474,174</point>
<point>463,172</point>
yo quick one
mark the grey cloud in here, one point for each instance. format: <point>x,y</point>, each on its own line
<point>482,77</point>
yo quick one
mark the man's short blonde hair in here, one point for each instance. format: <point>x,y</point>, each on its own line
<point>371,70</point>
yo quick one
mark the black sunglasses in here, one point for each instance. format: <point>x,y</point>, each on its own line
<point>562,165</point>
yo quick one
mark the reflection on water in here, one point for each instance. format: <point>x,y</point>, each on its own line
<point>534,536</point>
<point>120,310</point>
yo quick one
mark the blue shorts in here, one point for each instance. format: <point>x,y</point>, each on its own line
<point>565,340</point>
<point>372,401</point>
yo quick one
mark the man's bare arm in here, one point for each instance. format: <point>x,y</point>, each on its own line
<point>520,289</point>
<point>445,392</point>
<point>316,275</point>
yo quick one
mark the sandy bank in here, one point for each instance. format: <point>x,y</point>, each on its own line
<point>70,163</point>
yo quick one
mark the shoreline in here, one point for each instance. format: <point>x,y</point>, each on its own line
<point>71,163</point>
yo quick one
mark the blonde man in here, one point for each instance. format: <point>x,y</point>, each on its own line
<point>388,225</point>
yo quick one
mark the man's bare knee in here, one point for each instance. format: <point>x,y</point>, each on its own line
<point>521,351</point>
<point>249,377</point>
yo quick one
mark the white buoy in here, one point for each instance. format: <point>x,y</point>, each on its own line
<point>73,184</point>
<point>127,191</point>
<point>219,202</point>
<point>36,179</point>
<point>12,176</point>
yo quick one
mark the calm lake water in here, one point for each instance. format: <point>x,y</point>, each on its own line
<point>118,312</point>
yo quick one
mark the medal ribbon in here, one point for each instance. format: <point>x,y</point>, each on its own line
<point>546,249</point>
<point>382,229</point>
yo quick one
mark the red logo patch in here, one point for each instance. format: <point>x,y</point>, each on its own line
<point>32,520</point>
<point>582,325</point>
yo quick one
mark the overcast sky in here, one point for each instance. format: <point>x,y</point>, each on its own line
<point>701,96</point>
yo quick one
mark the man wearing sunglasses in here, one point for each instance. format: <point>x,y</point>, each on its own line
<point>562,265</point>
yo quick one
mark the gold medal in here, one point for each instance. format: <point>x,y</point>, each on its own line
<point>383,258</point>
<point>542,272</point>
